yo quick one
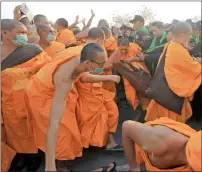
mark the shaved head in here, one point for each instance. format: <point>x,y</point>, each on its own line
<point>91,51</point>
<point>76,30</point>
<point>10,24</point>
<point>107,32</point>
<point>103,23</point>
<point>95,33</point>
<point>182,27</point>
<point>40,19</point>
<point>44,27</point>
<point>62,22</point>
<point>25,21</point>
<point>123,41</point>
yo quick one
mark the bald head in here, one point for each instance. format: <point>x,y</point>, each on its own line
<point>91,52</point>
<point>25,21</point>
<point>44,27</point>
<point>103,23</point>
<point>62,22</point>
<point>96,33</point>
<point>10,24</point>
<point>40,19</point>
<point>107,32</point>
<point>182,28</point>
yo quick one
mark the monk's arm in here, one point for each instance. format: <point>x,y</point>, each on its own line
<point>57,109</point>
<point>99,78</point>
<point>90,20</point>
<point>82,35</point>
<point>144,136</point>
<point>74,24</point>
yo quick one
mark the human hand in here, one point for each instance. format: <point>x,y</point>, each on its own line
<point>92,13</point>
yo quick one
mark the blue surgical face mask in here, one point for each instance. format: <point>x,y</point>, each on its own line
<point>51,37</point>
<point>20,40</point>
<point>96,71</point>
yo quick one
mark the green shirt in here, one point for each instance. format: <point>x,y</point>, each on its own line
<point>143,29</point>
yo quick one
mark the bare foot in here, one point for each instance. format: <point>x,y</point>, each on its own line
<point>111,143</point>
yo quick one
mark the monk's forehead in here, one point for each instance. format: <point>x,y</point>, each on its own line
<point>19,27</point>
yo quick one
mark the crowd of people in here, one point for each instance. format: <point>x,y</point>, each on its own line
<point>60,92</point>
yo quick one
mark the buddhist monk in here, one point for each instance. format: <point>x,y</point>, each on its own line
<point>47,40</point>
<point>33,36</point>
<point>110,46</point>
<point>182,72</point>
<point>40,19</point>
<point>128,51</point>
<point>103,23</point>
<point>19,61</point>
<point>25,21</point>
<point>52,86</point>
<point>64,35</point>
<point>96,110</point>
<point>110,43</point>
<point>161,145</point>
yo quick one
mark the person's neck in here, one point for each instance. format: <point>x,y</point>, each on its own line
<point>179,41</point>
<point>43,44</point>
<point>6,50</point>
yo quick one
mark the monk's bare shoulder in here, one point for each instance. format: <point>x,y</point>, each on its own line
<point>65,70</point>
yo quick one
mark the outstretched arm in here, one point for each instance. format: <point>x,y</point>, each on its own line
<point>99,78</point>
<point>57,110</point>
<point>145,137</point>
<point>74,24</point>
<point>91,19</point>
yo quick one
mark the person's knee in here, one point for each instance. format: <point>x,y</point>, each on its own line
<point>126,126</point>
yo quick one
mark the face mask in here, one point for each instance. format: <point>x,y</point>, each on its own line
<point>96,71</point>
<point>20,41</point>
<point>51,37</point>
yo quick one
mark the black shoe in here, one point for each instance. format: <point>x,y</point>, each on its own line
<point>34,162</point>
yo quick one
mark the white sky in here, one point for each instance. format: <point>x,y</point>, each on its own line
<point>165,11</point>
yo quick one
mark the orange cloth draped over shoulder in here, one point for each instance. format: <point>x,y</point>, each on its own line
<point>7,153</point>
<point>130,92</point>
<point>14,112</point>
<point>183,76</point>
<point>54,48</point>
<point>66,37</point>
<point>193,147</point>
<point>40,93</point>
<point>110,45</point>
<point>97,113</point>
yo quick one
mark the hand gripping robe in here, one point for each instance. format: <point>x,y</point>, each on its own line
<point>54,48</point>
<point>193,147</point>
<point>183,76</point>
<point>14,111</point>
<point>40,93</point>
<point>97,113</point>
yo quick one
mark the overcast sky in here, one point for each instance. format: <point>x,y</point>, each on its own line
<point>166,11</point>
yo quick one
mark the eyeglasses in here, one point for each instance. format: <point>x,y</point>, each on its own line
<point>100,64</point>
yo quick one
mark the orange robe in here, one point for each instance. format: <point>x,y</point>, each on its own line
<point>54,48</point>
<point>40,92</point>
<point>66,37</point>
<point>193,147</point>
<point>110,45</point>
<point>97,113</point>
<point>14,112</point>
<point>183,75</point>
<point>131,95</point>
<point>7,153</point>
